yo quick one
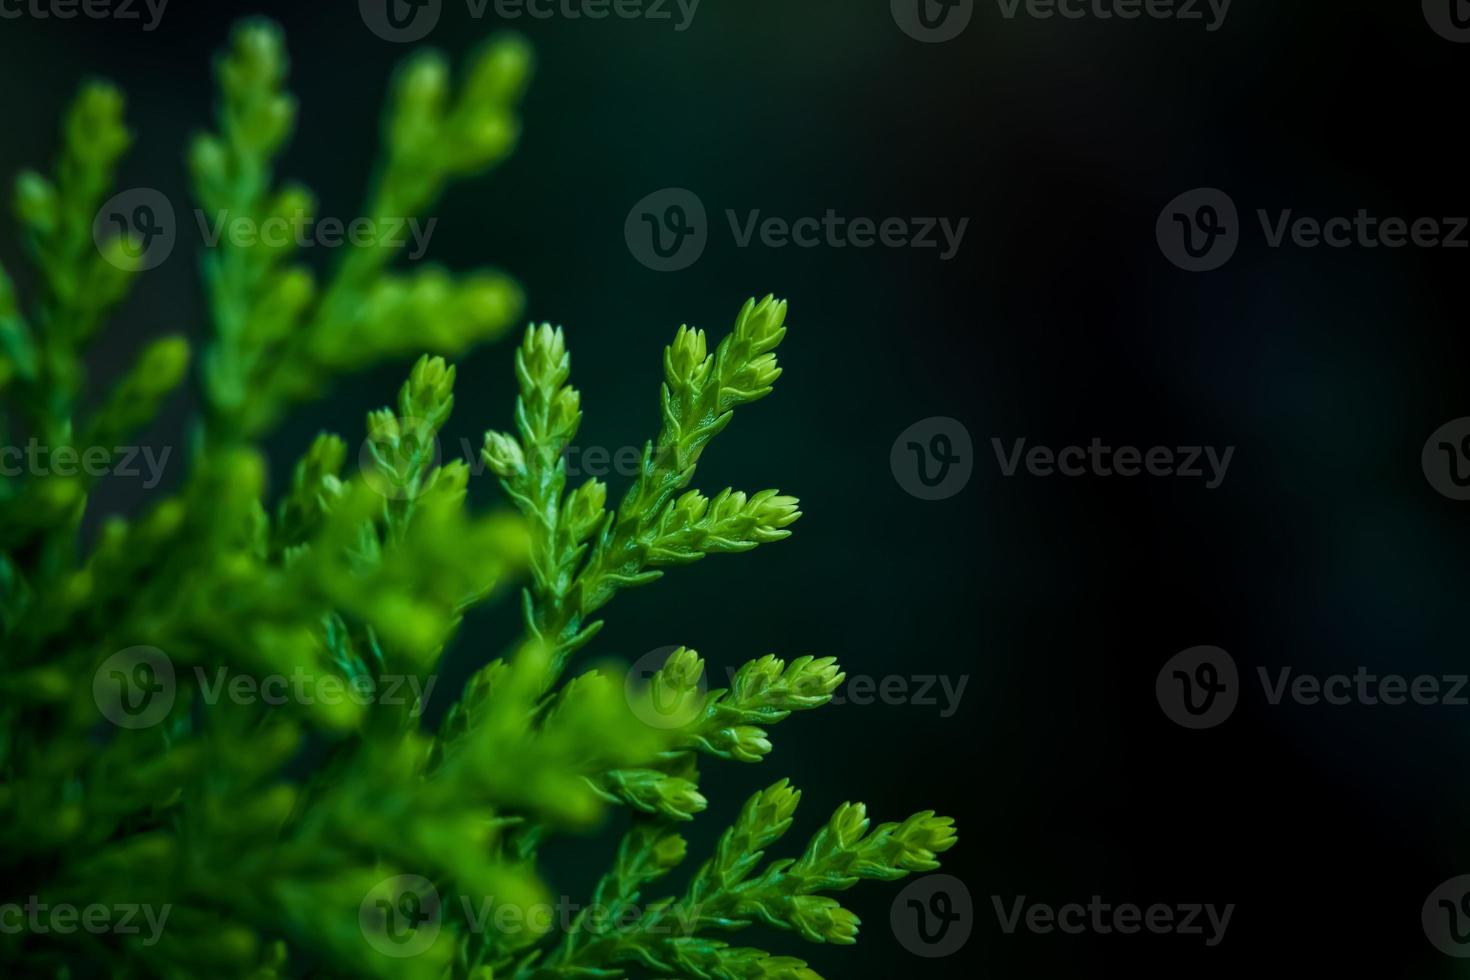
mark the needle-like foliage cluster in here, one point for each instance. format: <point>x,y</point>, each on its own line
<point>327,831</point>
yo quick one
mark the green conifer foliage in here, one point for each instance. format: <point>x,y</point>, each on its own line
<point>317,834</point>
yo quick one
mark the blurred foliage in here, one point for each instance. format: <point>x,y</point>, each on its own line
<point>333,835</point>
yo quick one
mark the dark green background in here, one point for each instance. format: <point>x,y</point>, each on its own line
<point>1059,321</point>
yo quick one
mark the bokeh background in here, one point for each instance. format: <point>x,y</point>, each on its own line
<point>1057,600</point>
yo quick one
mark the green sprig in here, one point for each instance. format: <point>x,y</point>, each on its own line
<point>278,830</point>
<point>585,555</point>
